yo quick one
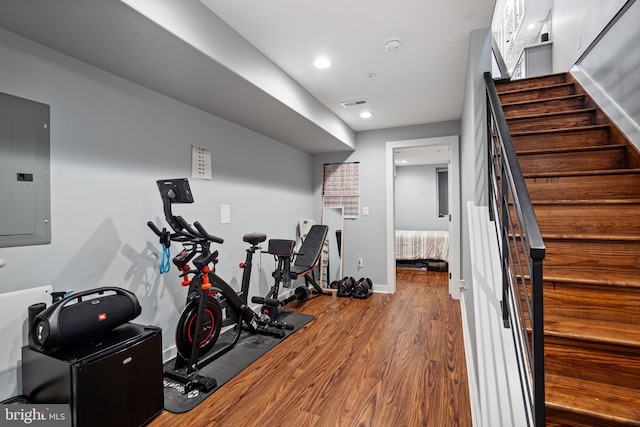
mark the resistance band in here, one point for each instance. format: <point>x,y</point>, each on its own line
<point>165,265</point>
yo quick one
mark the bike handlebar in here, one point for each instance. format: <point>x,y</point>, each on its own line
<point>206,235</point>
<point>201,232</point>
<point>184,224</point>
<point>153,228</point>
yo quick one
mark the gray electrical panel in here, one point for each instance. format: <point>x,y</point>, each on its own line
<point>24,172</point>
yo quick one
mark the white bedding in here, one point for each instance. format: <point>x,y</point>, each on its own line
<point>422,245</point>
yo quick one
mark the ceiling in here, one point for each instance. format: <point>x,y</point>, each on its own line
<point>250,61</point>
<point>420,82</point>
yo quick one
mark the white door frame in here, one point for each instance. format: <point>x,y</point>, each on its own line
<point>454,208</point>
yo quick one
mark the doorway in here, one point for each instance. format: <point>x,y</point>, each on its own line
<point>452,142</point>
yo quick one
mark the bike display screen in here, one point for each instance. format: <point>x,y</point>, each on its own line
<point>176,190</point>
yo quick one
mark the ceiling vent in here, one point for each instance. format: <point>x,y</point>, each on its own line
<point>354,103</point>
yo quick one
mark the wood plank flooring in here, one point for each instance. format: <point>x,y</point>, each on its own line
<point>390,360</point>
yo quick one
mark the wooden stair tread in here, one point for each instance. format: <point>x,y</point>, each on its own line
<point>592,281</point>
<point>593,237</point>
<point>587,202</point>
<point>552,114</point>
<point>534,89</point>
<point>531,82</point>
<point>560,130</point>
<point>595,331</point>
<point>582,173</point>
<point>613,278</point>
<point>589,399</point>
<point>571,150</point>
<point>537,101</point>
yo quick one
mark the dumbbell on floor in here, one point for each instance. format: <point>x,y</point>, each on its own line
<point>345,286</point>
<point>363,288</point>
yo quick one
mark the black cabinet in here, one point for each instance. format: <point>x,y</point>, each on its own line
<point>114,380</point>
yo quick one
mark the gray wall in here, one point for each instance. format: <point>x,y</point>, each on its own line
<point>612,67</point>
<point>576,24</point>
<point>365,237</point>
<point>417,199</point>
<point>110,141</point>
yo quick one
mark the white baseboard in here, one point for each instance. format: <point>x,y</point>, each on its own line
<point>471,366</point>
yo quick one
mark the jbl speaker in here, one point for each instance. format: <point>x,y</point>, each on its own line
<point>82,316</point>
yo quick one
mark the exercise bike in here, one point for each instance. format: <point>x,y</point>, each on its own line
<point>211,303</point>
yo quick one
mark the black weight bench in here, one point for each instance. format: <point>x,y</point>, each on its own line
<point>292,266</point>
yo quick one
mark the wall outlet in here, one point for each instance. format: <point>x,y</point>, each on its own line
<point>360,263</point>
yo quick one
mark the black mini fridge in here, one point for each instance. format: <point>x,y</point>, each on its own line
<point>113,380</point>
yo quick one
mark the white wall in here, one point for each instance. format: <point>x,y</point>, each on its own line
<point>365,237</point>
<point>473,182</point>
<point>110,141</point>
<point>417,199</point>
<point>576,24</point>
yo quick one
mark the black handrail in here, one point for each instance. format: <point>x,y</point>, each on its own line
<point>522,251</point>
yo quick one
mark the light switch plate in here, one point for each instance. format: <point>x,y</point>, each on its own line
<point>225,214</point>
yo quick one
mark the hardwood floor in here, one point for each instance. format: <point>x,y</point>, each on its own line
<point>390,360</point>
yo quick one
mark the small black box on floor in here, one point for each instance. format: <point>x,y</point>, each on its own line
<point>113,380</point>
<point>437,266</point>
<point>363,295</point>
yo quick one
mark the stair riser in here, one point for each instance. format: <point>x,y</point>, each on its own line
<point>573,161</point>
<point>585,301</point>
<point>541,107</point>
<point>593,362</point>
<point>574,139</point>
<point>558,416</point>
<point>592,219</point>
<point>543,93</point>
<point>582,118</point>
<point>591,256</point>
<point>617,186</point>
<point>537,82</point>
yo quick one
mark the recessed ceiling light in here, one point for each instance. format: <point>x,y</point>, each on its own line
<point>366,114</point>
<point>322,63</point>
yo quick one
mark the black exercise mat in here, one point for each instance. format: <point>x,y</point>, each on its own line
<point>246,351</point>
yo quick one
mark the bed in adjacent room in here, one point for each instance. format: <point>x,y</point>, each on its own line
<point>422,248</point>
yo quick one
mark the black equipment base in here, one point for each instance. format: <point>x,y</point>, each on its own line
<point>363,296</point>
<point>246,351</point>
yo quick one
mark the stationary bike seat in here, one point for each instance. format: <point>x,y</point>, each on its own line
<point>254,238</point>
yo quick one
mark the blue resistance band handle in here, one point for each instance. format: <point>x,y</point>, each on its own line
<point>165,265</point>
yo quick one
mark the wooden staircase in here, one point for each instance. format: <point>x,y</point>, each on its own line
<point>583,176</point>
